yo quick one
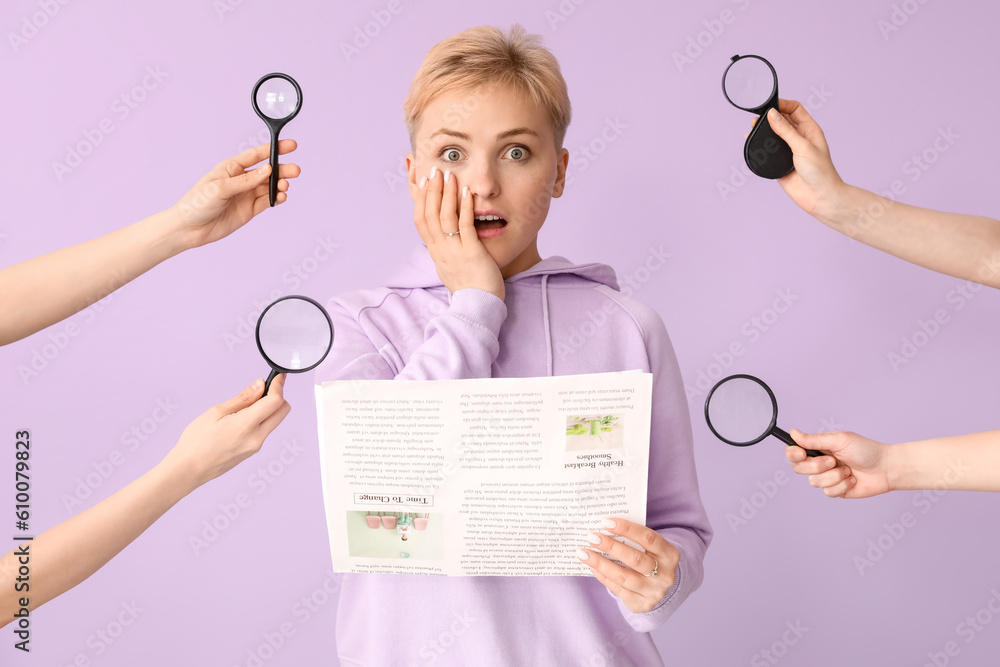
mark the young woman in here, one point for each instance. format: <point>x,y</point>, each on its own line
<point>487,113</point>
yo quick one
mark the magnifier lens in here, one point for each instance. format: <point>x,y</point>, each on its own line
<point>277,98</point>
<point>294,334</point>
<point>741,411</point>
<point>749,83</point>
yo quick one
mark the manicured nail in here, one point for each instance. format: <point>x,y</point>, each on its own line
<point>593,538</point>
<point>423,182</point>
<point>257,384</point>
<point>772,114</point>
<point>582,555</point>
<point>434,171</point>
<point>263,169</point>
<point>465,192</point>
<point>447,175</point>
<point>610,524</point>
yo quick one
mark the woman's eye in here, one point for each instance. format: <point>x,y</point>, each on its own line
<point>453,155</point>
<point>517,153</point>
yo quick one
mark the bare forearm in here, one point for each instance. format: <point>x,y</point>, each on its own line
<point>47,289</point>
<point>962,462</point>
<point>964,246</point>
<point>67,554</point>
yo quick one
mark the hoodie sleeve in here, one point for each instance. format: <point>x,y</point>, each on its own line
<point>460,342</point>
<point>674,507</point>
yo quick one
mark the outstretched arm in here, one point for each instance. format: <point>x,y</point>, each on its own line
<point>963,246</point>
<point>856,467</point>
<point>50,288</point>
<point>67,554</point>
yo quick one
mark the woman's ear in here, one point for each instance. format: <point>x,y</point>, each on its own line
<point>561,166</point>
<point>411,175</point>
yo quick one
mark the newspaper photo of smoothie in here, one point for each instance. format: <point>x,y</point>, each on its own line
<point>594,432</point>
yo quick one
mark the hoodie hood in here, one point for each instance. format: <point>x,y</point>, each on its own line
<point>419,271</point>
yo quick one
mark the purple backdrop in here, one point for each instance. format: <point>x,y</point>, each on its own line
<point>159,92</point>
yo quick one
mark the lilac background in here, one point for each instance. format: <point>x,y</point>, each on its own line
<point>163,337</point>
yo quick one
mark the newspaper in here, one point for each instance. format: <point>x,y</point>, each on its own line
<point>498,476</point>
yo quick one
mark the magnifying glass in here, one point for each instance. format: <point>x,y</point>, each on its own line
<point>741,411</point>
<point>294,335</point>
<point>750,83</point>
<point>276,98</point>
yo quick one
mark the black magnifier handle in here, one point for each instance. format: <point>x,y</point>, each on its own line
<point>273,181</point>
<point>782,435</point>
<point>267,382</point>
<point>765,152</point>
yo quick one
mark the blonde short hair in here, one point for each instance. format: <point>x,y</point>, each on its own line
<point>485,56</point>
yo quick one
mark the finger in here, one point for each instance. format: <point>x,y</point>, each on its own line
<point>843,489</point>
<point>252,156</point>
<point>290,170</point>
<point>639,561</point>
<point>813,466</point>
<point>467,218</point>
<point>274,419</point>
<point>265,187</point>
<point>784,129</point>
<point>432,206</point>
<point>647,538</point>
<point>243,182</point>
<point>263,200</point>
<point>623,582</point>
<point>419,220</point>
<point>795,454</point>
<point>830,477</point>
<point>832,442</point>
<point>449,203</point>
<point>268,405</point>
<point>271,421</point>
<point>244,399</point>
<point>803,122</point>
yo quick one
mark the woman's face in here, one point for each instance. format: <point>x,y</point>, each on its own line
<point>501,145</point>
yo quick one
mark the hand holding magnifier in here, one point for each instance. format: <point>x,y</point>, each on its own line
<point>276,98</point>
<point>750,83</point>
<point>741,410</point>
<point>294,335</point>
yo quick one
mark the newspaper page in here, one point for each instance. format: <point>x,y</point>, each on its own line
<point>497,476</point>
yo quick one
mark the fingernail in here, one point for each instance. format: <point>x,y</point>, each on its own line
<point>465,192</point>
<point>423,182</point>
<point>610,524</point>
<point>257,384</point>
<point>263,169</point>
<point>447,175</point>
<point>582,555</point>
<point>434,171</point>
<point>593,538</point>
<point>772,114</point>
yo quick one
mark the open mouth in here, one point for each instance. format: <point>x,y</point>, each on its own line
<point>490,221</point>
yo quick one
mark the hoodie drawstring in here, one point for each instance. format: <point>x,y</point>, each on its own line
<point>545,323</point>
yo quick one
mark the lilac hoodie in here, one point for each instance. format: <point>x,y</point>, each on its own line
<point>557,319</point>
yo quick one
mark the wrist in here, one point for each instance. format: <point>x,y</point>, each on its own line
<point>900,473</point>
<point>166,233</point>
<point>840,205</point>
<point>176,478</point>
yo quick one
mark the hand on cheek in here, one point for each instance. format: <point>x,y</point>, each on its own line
<point>647,575</point>
<point>444,216</point>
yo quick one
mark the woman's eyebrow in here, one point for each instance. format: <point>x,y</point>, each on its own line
<point>516,131</point>
<point>451,133</point>
<point>503,135</point>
